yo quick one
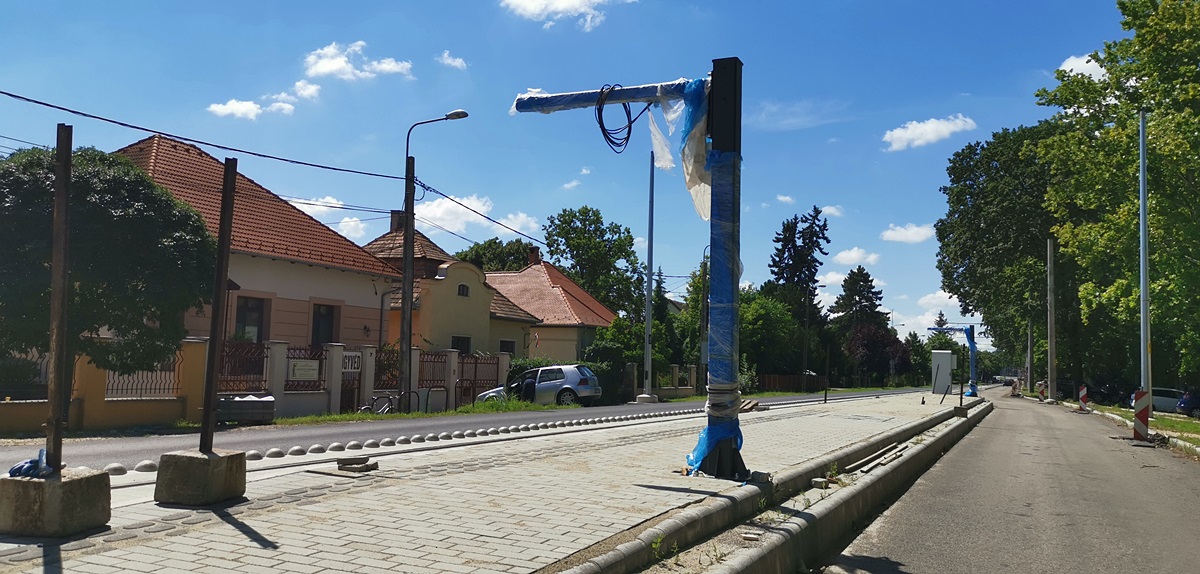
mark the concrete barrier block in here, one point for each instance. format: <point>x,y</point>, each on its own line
<point>72,501</point>
<point>194,478</point>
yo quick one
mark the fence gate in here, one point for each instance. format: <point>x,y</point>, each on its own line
<point>477,373</point>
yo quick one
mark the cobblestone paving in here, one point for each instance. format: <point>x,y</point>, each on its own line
<point>502,507</point>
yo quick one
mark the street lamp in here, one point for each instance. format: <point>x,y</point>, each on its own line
<point>406,303</point>
<point>804,359</point>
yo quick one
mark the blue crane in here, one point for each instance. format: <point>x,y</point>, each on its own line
<point>969,331</point>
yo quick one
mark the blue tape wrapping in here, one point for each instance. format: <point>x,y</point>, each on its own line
<point>32,468</point>
<point>710,436</point>
<point>695,100</point>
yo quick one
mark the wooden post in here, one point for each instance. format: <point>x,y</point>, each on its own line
<point>59,384</point>
<point>216,339</point>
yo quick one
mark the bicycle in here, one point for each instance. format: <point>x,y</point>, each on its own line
<point>388,406</point>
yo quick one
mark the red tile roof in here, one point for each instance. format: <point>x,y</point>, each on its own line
<point>390,245</point>
<point>549,295</point>
<point>263,223</point>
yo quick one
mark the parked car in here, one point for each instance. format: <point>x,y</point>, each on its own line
<point>1189,404</point>
<point>1162,399</point>
<point>558,384</point>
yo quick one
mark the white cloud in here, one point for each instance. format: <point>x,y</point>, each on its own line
<point>571,184</point>
<point>452,216</point>
<point>764,205</point>
<point>939,301</point>
<point>352,227</point>
<point>306,90</point>
<point>282,97</point>
<point>745,284</point>
<point>585,170</point>
<point>520,221</point>
<point>390,66</point>
<point>901,297</point>
<point>639,243</point>
<point>910,233</point>
<point>447,60</point>
<point>856,256</point>
<point>343,63</point>
<point>831,278</point>
<point>784,199</point>
<point>1083,65</point>
<point>916,134</point>
<point>318,207</point>
<point>551,11</point>
<point>237,109</point>
<point>790,116</point>
<point>833,211</point>
<point>282,108</point>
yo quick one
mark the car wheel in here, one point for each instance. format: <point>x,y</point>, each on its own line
<point>567,397</point>
<point>1196,413</point>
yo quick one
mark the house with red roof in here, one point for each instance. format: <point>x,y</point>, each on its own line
<point>568,316</point>
<point>296,279</point>
<point>454,306</point>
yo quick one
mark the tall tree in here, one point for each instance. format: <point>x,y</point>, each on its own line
<point>139,259</point>
<point>1156,68</point>
<point>599,256</point>
<point>859,301</point>
<point>495,255</point>
<point>795,262</point>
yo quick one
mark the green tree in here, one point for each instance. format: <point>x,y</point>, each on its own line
<point>598,256</point>
<point>139,259</point>
<point>767,333</point>
<point>495,255</point>
<point>858,303</point>
<point>1156,68</point>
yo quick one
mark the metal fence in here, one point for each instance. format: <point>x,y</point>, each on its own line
<point>313,353</point>
<point>477,373</point>
<point>433,371</point>
<point>161,382</point>
<point>24,377</point>
<point>387,368</point>
<point>243,368</point>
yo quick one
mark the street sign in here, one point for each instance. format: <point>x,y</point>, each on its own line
<point>352,361</point>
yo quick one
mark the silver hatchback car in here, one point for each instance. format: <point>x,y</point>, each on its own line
<point>558,384</point>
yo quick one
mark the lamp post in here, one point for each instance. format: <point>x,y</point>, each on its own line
<point>406,303</point>
<point>804,358</point>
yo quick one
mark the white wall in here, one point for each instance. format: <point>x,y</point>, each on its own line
<point>304,282</point>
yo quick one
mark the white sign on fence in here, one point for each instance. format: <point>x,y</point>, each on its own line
<point>352,361</point>
<point>304,369</point>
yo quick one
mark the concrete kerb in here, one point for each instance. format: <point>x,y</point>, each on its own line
<point>122,479</point>
<point>1175,443</point>
<point>830,521</point>
<point>737,504</point>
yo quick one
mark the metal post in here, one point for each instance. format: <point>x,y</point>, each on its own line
<point>1029,358</point>
<point>406,272</point>
<point>1144,253</point>
<point>216,339</point>
<point>1051,359</point>
<point>804,356</point>
<point>648,350</point>
<point>725,121</point>
<point>59,383</point>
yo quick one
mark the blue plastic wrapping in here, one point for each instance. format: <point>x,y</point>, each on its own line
<point>714,433</point>
<point>536,100</point>
<point>723,395</point>
<point>693,148</point>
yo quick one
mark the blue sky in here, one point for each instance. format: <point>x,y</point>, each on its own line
<point>854,106</point>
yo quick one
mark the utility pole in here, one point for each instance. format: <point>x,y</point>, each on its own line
<point>647,347</point>
<point>61,368</point>
<point>216,338</point>
<point>1051,371</point>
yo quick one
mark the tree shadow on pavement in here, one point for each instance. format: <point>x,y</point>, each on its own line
<point>246,529</point>
<point>857,564</point>
<point>680,489</point>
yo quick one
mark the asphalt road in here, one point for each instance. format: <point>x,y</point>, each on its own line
<point>99,451</point>
<point>1036,488</point>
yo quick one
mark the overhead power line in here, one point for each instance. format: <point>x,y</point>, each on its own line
<point>261,155</point>
<point>4,137</point>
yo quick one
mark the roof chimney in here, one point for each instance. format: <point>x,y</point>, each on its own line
<point>397,220</point>
<point>535,255</point>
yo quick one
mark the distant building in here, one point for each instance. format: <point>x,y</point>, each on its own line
<point>291,277</point>
<point>568,315</point>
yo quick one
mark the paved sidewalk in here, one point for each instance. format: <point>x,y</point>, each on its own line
<point>505,503</point>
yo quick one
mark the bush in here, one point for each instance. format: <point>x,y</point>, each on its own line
<point>747,377</point>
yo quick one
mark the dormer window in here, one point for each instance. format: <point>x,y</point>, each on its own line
<point>464,290</point>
